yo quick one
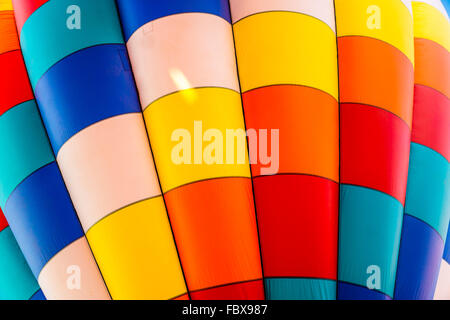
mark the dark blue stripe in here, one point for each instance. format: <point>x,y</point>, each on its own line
<point>88,86</point>
<point>135,13</point>
<point>447,247</point>
<point>42,217</point>
<point>38,296</point>
<point>347,291</point>
<point>419,260</point>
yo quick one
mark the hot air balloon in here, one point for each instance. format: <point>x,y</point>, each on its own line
<point>183,60</point>
<point>224,150</point>
<point>427,210</point>
<point>376,72</point>
<point>286,54</point>
<point>443,289</point>
<point>16,279</point>
<point>32,193</point>
<point>80,74</point>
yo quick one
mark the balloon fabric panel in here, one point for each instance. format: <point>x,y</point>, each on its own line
<point>427,208</point>
<point>87,97</point>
